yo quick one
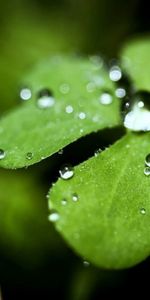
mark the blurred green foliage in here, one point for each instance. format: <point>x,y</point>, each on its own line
<point>29,31</point>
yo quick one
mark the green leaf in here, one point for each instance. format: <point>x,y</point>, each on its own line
<point>42,132</point>
<point>109,224</point>
<point>136,62</point>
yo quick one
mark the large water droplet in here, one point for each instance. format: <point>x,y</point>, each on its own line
<point>25,94</point>
<point>105,98</point>
<point>75,197</point>
<point>29,155</point>
<point>115,73</point>
<point>2,154</point>
<point>45,99</point>
<point>147,160</point>
<point>66,172</point>
<point>54,216</point>
<point>137,112</point>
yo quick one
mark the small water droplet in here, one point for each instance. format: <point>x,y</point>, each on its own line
<point>90,87</point>
<point>81,130</point>
<point>64,88</point>
<point>25,94</point>
<point>2,154</point>
<point>60,152</point>
<point>143,211</point>
<point>147,160</point>
<point>105,98</point>
<point>97,152</point>
<point>29,155</point>
<point>66,172</point>
<point>82,115</point>
<point>69,109</point>
<point>75,197</point>
<point>137,113</point>
<point>115,73</point>
<point>120,92</point>
<point>45,99</point>
<point>86,263</point>
<point>54,216</point>
<point>64,202</point>
<point>147,171</point>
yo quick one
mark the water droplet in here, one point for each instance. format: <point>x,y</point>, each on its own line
<point>29,155</point>
<point>2,154</point>
<point>69,109</point>
<point>147,171</point>
<point>64,88</point>
<point>54,216</point>
<point>143,211</point>
<point>90,87</point>
<point>115,73</point>
<point>82,115</point>
<point>75,197</point>
<point>105,99</point>
<point>66,172</point>
<point>64,202</point>
<point>147,160</point>
<point>81,130</point>
<point>137,112</point>
<point>97,152</point>
<point>45,99</point>
<point>120,92</point>
<point>60,152</point>
<point>86,263</point>
<point>25,94</point>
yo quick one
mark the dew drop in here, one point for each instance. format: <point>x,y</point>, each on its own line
<point>2,154</point>
<point>64,88</point>
<point>60,152</point>
<point>82,115</point>
<point>120,93</point>
<point>105,98</point>
<point>69,109</point>
<point>54,216</point>
<point>25,94</point>
<point>97,152</point>
<point>66,172</point>
<point>143,211</point>
<point>147,160</point>
<point>86,263</point>
<point>29,155</point>
<point>45,99</point>
<point>147,171</point>
<point>75,197</point>
<point>137,113</point>
<point>64,202</point>
<point>115,73</point>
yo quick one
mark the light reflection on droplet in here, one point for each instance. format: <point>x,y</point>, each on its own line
<point>115,73</point>
<point>25,94</point>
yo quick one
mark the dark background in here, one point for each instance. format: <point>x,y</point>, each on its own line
<point>35,263</point>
